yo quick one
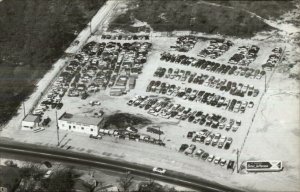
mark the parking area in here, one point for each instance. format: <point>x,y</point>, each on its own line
<point>200,105</point>
<point>99,66</point>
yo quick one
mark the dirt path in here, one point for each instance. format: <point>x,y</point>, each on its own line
<point>286,27</point>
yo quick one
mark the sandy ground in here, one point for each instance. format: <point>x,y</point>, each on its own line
<point>274,134</point>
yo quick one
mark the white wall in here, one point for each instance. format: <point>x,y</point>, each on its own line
<point>28,125</point>
<point>70,126</point>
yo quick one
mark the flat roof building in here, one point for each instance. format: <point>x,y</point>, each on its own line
<point>30,122</point>
<point>78,123</point>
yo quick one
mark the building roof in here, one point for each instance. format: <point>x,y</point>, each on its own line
<point>80,119</point>
<point>31,118</point>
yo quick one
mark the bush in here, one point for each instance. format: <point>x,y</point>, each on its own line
<point>188,15</point>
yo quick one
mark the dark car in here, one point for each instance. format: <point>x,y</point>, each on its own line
<point>228,143</point>
<point>46,121</point>
<point>230,165</point>
<point>84,96</point>
<point>191,118</point>
<point>190,134</point>
<point>59,106</point>
<point>204,156</point>
<point>199,113</point>
<point>183,147</point>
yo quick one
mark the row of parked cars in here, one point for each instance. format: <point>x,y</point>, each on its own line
<point>52,100</point>
<point>216,48</point>
<point>129,133</point>
<point>201,96</point>
<point>164,108</point>
<point>273,59</point>
<point>125,37</point>
<point>210,138</point>
<point>214,67</point>
<point>245,55</point>
<point>184,43</point>
<point>234,88</point>
<point>205,156</point>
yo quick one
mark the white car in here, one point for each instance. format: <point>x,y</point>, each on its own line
<point>48,174</point>
<point>97,103</point>
<point>222,141</point>
<point>159,170</point>
<point>217,160</point>
<point>210,158</point>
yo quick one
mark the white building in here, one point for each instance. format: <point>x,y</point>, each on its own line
<point>30,122</point>
<point>82,124</point>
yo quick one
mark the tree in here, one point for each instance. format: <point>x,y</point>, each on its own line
<point>61,181</point>
<point>126,181</point>
<point>30,171</point>
<point>152,186</point>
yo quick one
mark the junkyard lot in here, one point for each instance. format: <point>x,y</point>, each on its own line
<point>168,157</point>
<point>175,131</point>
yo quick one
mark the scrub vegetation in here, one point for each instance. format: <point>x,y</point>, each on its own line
<point>33,35</point>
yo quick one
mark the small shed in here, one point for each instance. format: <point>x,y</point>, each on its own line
<point>116,92</point>
<point>132,81</point>
<point>30,122</point>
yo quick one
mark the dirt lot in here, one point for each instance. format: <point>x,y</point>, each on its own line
<point>264,131</point>
<point>269,130</point>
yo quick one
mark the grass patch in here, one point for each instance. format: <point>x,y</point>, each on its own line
<point>191,15</point>
<point>124,120</point>
<point>269,9</point>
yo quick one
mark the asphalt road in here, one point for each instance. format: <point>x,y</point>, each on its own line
<point>34,152</point>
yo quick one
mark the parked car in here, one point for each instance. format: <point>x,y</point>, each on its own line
<point>190,150</point>
<point>222,141</point>
<point>216,139</point>
<point>208,140</point>
<point>228,143</point>
<point>204,156</point>
<point>210,158</point>
<point>199,152</point>
<point>230,164</point>
<point>217,160</point>
<point>222,162</point>
<point>95,137</point>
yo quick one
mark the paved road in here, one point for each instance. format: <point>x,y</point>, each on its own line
<point>94,25</point>
<point>34,152</point>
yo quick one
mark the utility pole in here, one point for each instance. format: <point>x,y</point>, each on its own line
<point>159,133</point>
<point>237,160</point>
<point>91,27</point>
<point>266,82</point>
<point>57,129</point>
<point>24,109</point>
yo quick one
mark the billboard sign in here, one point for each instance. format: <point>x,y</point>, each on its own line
<point>264,166</point>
